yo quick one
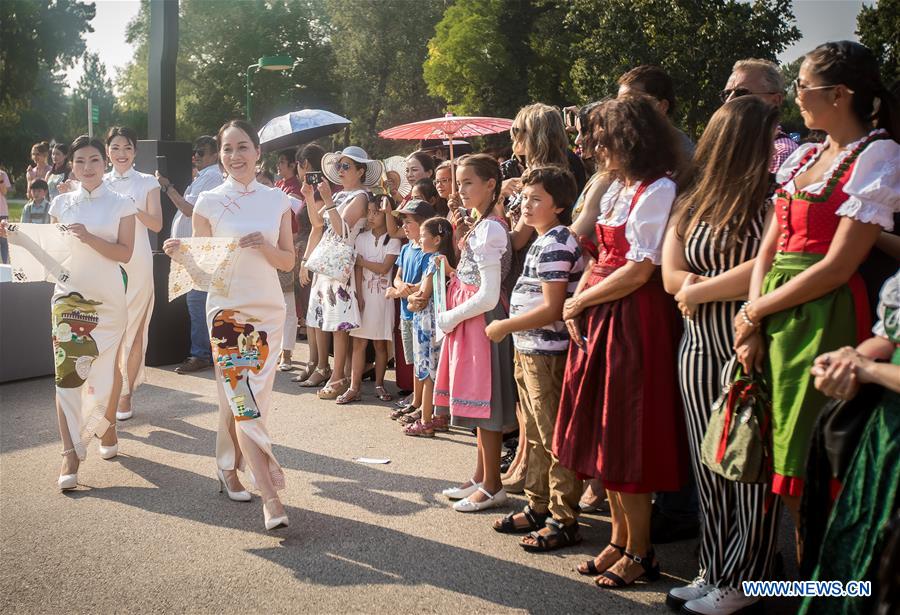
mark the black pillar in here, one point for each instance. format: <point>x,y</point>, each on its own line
<point>170,326</point>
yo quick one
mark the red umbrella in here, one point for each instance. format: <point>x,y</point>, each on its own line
<point>448,127</point>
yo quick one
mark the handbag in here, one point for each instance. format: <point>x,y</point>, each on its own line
<point>333,258</point>
<point>737,440</point>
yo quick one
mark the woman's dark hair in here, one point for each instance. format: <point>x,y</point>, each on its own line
<point>559,183</point>
<point>122,131</point>
<point>427,190</point>
<point>85,141</point>
<point>64,167</point>
<point>42,147</point>
<point>639,137</point>
<point>266,173</point>
<point>730,180</point>
<point>311,153</point>
<point>291,157</point>
<point>653,81</point>
<point>485,168</point>
<point>244,125</point>
<point>441,227</point>
<point>426,160</point>
<point>583,114</point>
<point>855,66</point>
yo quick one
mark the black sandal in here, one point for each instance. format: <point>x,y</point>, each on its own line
<point>651,571</point>
<point>508,525</point>
<point>590,568</point>
<point>558,537</point>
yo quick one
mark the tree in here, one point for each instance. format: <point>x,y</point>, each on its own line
<point>38,38</point>
<point>695,42</point>
<point>791,120</point>
<point>96,85</point>
<point>490,57</point>
<point>379,48</point>
<point>218,41</point>
<point>878,28</point>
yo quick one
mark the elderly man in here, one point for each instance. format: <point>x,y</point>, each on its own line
<point>761,78</point>
<point>206,161</point>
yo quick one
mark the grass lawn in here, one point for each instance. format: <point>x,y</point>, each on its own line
<point>15,209</point>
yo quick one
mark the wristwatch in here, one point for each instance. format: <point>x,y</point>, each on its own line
<point>166,188</point>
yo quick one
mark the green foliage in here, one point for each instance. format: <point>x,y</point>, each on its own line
<point>791,119</point>
<point>878,28</point>
<point>491,57</point>
<point>96,85</point>
<point>38,39</point>
<point>695,41</point>
<point>379,48</point>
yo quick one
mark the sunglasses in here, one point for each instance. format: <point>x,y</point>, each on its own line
<point>199,153</point>
<point>343,166</point>
<point>726,95</point>
<point>799,87</point>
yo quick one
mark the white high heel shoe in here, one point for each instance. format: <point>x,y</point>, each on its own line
<point>273,522</point>
<point>460,493</point>
<point>67,481</point>
<point>108,452</point>
<point>234,496</point>
<point>124,416</point>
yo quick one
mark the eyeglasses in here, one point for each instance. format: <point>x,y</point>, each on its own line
<point>727,95</point>
<point>342,166</point>
<point>199,153</point>
<point>799,87</point>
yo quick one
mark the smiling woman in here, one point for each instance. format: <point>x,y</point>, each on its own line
<point>143,190</point>
<point>245,325</point>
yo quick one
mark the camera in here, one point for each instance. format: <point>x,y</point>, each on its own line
<point>314,178</point>
<point>510,169</point>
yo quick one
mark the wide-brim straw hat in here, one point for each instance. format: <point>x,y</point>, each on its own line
<point>398,165</point>
<point>374,168</point>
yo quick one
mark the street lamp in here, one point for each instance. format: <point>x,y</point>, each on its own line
<point>266,63</point>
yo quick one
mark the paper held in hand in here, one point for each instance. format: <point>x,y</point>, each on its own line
<point>39,252</point>
<point>203,263</point>
<point>439,294</point>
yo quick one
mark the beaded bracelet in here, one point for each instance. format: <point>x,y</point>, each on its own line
<point>746,318</point>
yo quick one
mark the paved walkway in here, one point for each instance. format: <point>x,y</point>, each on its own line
<point>148,532</point>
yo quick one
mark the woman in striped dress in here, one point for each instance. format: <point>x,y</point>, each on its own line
<point>708,256</point>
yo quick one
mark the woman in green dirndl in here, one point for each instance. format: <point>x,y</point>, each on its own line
<point>834,199</point>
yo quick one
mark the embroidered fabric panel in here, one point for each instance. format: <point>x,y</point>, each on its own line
<point>203,263</point>
<point>39,252</point>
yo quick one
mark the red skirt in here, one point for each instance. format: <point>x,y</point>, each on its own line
<point>620,415</point>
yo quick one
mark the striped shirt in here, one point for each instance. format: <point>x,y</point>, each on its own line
<point>554,257</point>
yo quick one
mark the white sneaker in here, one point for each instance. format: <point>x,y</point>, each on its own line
<point>721,601</point>
<point>493,500</point>
<point>697,588</point>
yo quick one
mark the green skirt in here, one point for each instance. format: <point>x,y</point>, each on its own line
<point>863,509</point>
<point>794,338</point>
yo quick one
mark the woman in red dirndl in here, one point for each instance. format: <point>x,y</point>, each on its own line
<point>620,417</point>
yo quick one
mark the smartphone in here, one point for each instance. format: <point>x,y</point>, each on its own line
<point>314,178</point>
<point>570,118</point>
<point>162,165</point>
<point>510,169</point>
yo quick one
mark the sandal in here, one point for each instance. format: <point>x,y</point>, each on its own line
<point>507,524</point>
<point>382,394</point>
<point>441,423</point>
<point>553,536</point>
<point>409,419</point>
<point>396,414</point>
<point>419,430</point>
<point>285,366</point>
<point>305,372</point>
<point>335,389</point>
<point>348,396</point>
<point>317,378</point>
<point>590,566</point>
<point>651,571</point>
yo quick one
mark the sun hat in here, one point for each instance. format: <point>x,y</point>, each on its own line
<point>374,168</point>
<point>416,207</point>
<point>397,164</point>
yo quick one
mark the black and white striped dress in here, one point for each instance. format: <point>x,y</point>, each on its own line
<point>739,520</point>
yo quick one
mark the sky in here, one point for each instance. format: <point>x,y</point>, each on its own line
<point>818,20</point>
